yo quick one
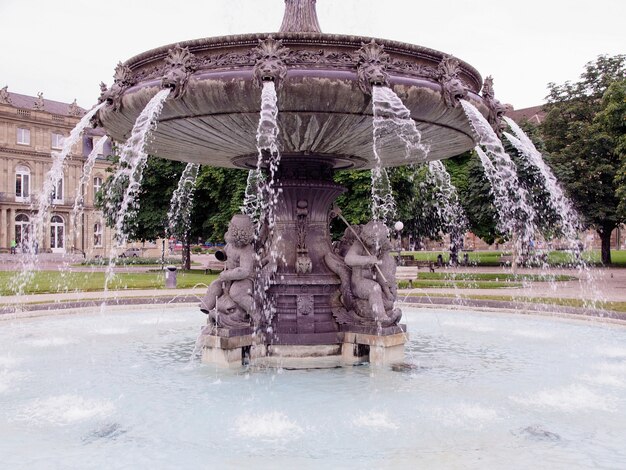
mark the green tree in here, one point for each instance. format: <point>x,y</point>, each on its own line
<point>219,195</point>
<point>468,175</point>
<point>582,148</point>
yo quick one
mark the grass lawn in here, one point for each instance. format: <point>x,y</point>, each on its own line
<point>478,280</point>
<point>45,282</point>
<point>612,306</point>
<point>492,258</point>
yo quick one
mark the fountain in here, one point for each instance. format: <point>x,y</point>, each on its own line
<point>309,304</point>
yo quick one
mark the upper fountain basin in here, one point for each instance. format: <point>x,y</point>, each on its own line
<point>212,118</point>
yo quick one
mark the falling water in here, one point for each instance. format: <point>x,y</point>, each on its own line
<point>252,200</point>
<point>447,204</point>
<point>516,214</point>
<point>558,201</point>
<point>391,120</point>
<point>79,201</point>
<point>179,215</point>
<point>267,197</point>
<point>30,244</point>
<point>130,172</point>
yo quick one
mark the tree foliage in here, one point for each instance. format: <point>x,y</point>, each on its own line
<point>583,146</point>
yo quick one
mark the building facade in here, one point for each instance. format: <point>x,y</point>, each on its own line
<point>31,129</point>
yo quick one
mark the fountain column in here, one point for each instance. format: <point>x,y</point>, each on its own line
<point>303,284</point>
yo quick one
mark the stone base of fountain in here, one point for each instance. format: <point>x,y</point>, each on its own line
<point>354,348</point>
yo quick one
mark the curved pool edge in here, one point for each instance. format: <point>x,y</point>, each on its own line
<point>30,310</point>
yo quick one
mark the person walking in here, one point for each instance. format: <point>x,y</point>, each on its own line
<point>13,247</point>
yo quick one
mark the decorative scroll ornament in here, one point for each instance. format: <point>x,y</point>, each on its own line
<point>5,98</point>
<point>303,261</point>
<point>371,66</point>
<point>452,88</point>
<point>270,62</point>
<point>39,103</point>
<point>180,64</point>
<point>496,109</point>
<point>74,109</point>
<point>122,80</point>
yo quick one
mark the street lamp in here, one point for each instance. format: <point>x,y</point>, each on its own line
<point>398,226</point>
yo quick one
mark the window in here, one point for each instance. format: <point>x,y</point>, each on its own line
<point>22,183</point>
<point>97,184</point>
<point>22,229</point>
<point>23,136</point>
<point>57,192</point>
<point>57,140</point>
<point>97,234</point>
<point>95,141</point>
<point>57,229</point>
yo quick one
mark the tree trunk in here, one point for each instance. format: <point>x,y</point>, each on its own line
<point>605,237</point>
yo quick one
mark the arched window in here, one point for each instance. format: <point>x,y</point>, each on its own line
<point>22,183</point>
<point>22,228</point>
<point>97,234</point>
<point>57,234</point>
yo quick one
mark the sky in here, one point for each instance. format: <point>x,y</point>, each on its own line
<point>65,49</point>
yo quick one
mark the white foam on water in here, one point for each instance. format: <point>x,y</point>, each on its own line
<point>465,415</point>
<point>270,425</point>
<point>65,409</point>
<point>612,351</point>
<point>111,331</point>
<point>374,420</point>
<point>9,379</point>
<point>573,398</point>
<point>466,325</point>
<point>52,341</point>
<point>605,378</point>
<point>613,367</point>
<point>533,334</point>
<point>7,361</point>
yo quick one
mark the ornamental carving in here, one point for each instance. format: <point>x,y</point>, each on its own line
<point>39,102</point>
<point>303,260</point>
<point>270,62</point>
<point>371,67</point>
<point>180,64</point>
<point>452,88</point>
<point>496,109</point>
<point>5,98</point>
<point>122,80</point>
<point>74,109</point>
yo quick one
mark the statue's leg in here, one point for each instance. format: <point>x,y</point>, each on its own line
<point>371,290</point>
<point>209,301</point>
<point>241,293</point>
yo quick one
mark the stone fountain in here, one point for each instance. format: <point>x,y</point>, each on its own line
<point>331,305</point>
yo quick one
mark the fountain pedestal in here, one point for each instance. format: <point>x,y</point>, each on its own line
<point>303,330</point>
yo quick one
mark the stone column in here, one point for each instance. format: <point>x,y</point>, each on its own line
<point>4,241</point>
<point>11,225</point>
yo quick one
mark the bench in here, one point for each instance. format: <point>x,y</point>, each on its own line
<point>214,266</point>
<point>408,260</point>
<point>506,260</point>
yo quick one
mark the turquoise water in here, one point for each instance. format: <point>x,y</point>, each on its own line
<point>478,390</point>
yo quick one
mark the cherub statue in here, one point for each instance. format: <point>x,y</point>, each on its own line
<point>229,300</point>
<point>368,277</point>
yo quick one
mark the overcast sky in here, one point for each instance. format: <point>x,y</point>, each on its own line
<point>65,49</point>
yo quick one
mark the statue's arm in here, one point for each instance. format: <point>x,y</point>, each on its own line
<point>355,259</point>
<point>245,268</point>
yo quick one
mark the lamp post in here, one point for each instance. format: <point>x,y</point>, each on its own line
<point>398,226</point>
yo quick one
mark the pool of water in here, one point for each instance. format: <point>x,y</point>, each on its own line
<point>478,390</point>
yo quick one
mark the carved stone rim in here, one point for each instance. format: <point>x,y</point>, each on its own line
<point>336,162</point>
<point>304,39</point>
